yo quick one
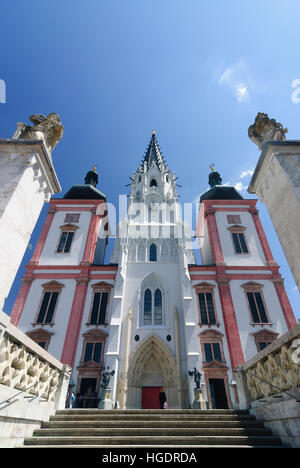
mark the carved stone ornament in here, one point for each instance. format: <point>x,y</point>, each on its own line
<point>49,129</point>
<point>265,129</point>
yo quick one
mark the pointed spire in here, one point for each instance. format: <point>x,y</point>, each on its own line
<point>153,153</point>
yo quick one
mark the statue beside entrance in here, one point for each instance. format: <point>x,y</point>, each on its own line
<point>106,402</point>
<point>199,402</point>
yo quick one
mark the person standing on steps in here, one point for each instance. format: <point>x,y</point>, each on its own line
<point>162,399</point>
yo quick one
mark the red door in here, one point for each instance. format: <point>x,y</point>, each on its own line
<point>150,397</point>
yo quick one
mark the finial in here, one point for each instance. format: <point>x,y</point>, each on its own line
<point>94,168</point>
<point>153,132</point>
<point>212,167</point>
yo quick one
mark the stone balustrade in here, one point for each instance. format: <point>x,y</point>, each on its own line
<point>269,385</point>
<point>33,384</point>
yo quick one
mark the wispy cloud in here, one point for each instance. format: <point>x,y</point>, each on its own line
<point>237,78</point>
<point>246,173</point>
<point>243,180</point>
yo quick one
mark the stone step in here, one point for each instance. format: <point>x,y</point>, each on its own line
<point>150,417</point>
<point>147,431</point>
<point>85,423</point>
<point>163,447</point>
<point>155,412</point>
<point>153,441</point>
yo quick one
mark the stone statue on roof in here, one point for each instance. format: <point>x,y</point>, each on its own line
<point>49,129</point>
<point>265,129</point>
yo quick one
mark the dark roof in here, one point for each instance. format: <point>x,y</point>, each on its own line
<point>221,192</point>
<point>153,153</point>
<point>84,192</point>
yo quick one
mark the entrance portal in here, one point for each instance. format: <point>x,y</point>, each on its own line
<point>152,365</point>
<point>218,393</point>
<point>150,397</point>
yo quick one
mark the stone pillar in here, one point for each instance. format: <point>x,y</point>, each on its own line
<point>242,388</point>
<point>62,387</point>
<point>27,180</point>
<point>276,181</point>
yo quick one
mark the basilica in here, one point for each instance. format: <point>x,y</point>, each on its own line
<point>152,314</point>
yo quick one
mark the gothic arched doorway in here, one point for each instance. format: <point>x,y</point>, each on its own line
<point>152,364</point>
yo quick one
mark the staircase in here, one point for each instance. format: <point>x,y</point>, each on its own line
<point>89,428</point>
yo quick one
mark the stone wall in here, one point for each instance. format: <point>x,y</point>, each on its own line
<point>269,385</point>
<point>33,384</point>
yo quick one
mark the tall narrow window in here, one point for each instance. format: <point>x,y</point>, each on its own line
<point>47,307</point>
<point>206,304</point>
<point>147,307</point>
<point>92,352</point>
<point>212,348</point>
<point>239,242</point>
<point>66,238</point>
<point>65,242</point>
<point>99,308</point>
<point>157,307</point>
<point>153,253</point>
<point>239,239</point>
<point>48,303</point>
<point>257,308</point>
<point>100,302</point>
<point>207,312</point>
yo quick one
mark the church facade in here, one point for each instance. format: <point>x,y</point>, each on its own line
<point>152,314</point>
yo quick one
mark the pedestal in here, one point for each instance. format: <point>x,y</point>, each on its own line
<point>106,403</point>
<point>199,402</point>
<point>27,181</point>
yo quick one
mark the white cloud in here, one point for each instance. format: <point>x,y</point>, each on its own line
<point>237,78</point>
<point>241,92</point>
<point>240,187</point>
<point>246,173</point>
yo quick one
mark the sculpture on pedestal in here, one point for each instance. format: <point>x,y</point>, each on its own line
<point>197,377</point>
<point>49,129</point>
<point>265,129</point>
<point>106,376</point>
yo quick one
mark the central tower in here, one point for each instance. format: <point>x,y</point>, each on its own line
<point>153,252</point>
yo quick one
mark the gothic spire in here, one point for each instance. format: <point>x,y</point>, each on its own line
<point>153,153</point>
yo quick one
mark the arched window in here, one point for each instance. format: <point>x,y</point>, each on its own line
<point>157,307</point>
<point>153,183</point>
<point>153,310</point>
<point>152,302</point>
<point>147,307</point>
<point>152,253</point>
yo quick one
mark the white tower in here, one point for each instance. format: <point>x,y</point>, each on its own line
<point>146,341</point>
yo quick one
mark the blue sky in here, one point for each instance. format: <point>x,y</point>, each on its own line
<point>197,71</point>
